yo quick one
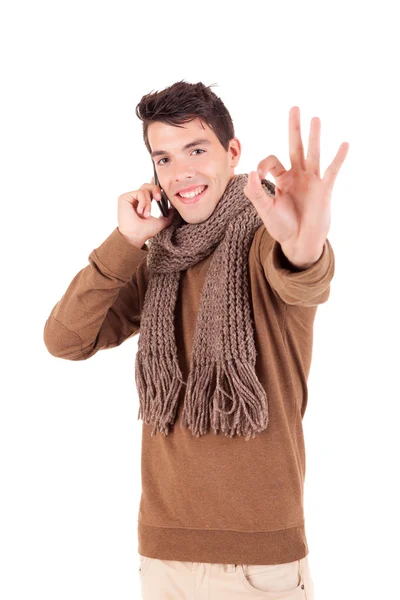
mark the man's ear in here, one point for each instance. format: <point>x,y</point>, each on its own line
<point>235,149</point>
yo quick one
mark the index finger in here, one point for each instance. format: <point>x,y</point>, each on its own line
<point>153,189</point>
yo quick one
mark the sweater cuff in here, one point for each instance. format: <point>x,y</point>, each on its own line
<point>118,256</point>
<point>281,270</point>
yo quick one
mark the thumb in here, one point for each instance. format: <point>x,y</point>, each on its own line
<point>254,180</point>
<point>256,193</point>
<point>253,188</point>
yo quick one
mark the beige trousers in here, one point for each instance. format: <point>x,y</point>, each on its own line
<point>178,580</point>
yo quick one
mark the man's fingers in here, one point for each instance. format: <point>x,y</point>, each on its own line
<point>272,165</point>
<point>256,193</point>
<point>253,186</point>
<point>144,202</point>
<point>147,205</point>
<point>154,189</point>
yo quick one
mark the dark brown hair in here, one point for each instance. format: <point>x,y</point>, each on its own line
<point>183,102</point>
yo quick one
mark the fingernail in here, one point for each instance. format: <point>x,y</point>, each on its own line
<point>147,213</point>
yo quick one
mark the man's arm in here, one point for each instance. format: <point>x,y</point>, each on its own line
<point>308,286</point>
<point>101,306</point>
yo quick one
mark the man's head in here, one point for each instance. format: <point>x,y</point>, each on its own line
<point>177,117</point>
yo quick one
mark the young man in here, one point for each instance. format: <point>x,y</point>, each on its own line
<point>224,292</point>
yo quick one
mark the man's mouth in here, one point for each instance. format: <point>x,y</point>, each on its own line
<point>192,198</point>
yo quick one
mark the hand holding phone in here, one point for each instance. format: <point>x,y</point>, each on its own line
<point>135,222</point>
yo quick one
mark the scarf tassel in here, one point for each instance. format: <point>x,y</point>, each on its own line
<point>158,380</point>
<point>248,413</point>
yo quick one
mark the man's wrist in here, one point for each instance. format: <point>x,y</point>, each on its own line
<point>134,241</point>
<point>300,264</point>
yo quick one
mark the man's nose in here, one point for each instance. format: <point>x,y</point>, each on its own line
<point>183,172</point>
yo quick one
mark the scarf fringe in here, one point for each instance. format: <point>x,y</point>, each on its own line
<point>158,380</point>
<point>248,413</point>
<point>223,391</point>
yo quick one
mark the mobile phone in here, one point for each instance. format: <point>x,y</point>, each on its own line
<point>164,202</point>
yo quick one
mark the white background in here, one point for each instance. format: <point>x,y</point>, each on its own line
<point>72,74</point>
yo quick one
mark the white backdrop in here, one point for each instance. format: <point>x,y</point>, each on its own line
<point>72,74</point>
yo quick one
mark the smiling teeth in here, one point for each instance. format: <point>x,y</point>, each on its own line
<point>195,192</point>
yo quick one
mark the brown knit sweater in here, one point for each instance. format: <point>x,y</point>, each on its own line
<point>213,498</point>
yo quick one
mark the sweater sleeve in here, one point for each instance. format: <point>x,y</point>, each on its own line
<point>101,306</point>
<point>308,287</point>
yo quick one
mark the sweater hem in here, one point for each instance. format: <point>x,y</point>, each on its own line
<point>222,545</point>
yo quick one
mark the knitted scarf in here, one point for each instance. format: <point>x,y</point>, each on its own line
<point>222,388</point>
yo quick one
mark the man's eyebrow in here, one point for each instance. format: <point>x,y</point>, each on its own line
<point>190,145</point>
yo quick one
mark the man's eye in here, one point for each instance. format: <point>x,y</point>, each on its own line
<point>195,150</point>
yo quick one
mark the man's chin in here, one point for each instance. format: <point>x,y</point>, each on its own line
<point>196,217</point>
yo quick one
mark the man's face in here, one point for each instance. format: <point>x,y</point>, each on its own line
<point>206,163</point>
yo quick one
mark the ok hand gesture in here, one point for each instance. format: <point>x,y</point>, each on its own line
<point>298,216</point>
